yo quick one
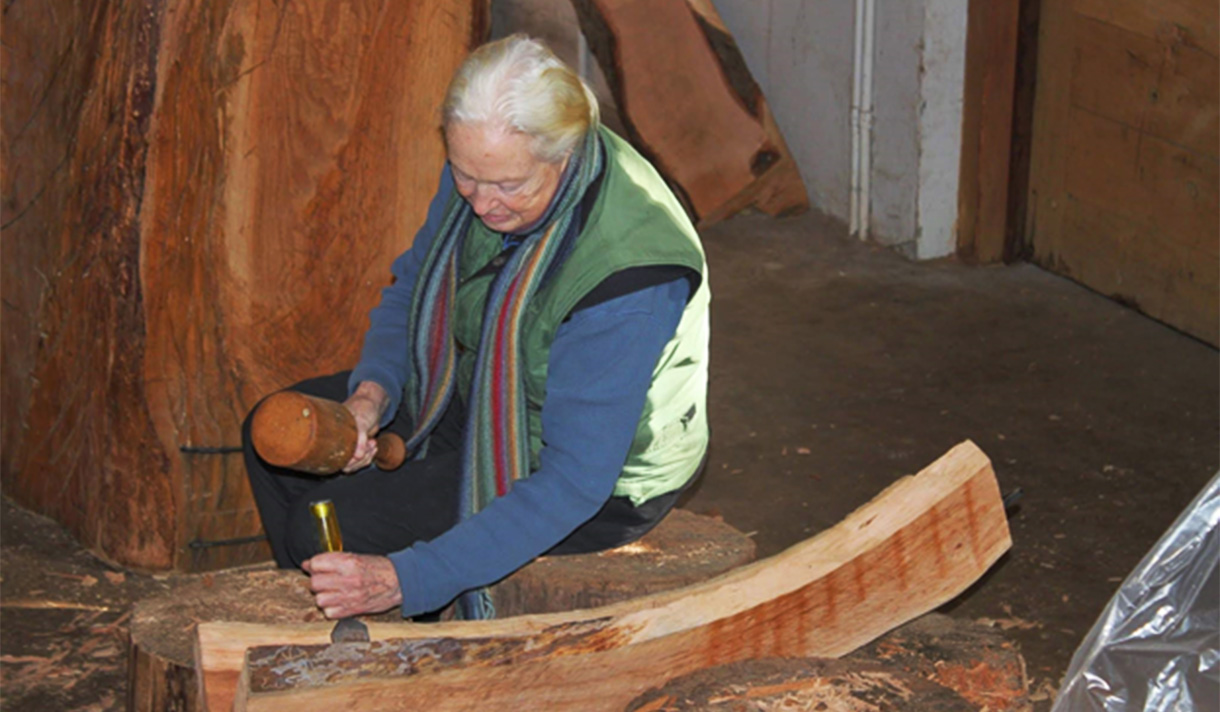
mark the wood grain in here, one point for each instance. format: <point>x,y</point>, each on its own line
<point>76,423</point>
<point>987,120</point>
<point>222,192</point>
<point>691,105</point>
<point>685,548</point>
<point>918,544</point>
<point>1125,178</point>
<point>1153,85</point>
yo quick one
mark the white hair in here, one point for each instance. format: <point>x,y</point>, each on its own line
<point>518,84</point>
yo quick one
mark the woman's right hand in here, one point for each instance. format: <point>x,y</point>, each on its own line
<point>367,404</point>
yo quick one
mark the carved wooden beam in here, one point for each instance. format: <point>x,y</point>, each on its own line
<point>918,544</point>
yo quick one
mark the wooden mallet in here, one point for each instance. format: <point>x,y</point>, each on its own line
<point>314,435</point>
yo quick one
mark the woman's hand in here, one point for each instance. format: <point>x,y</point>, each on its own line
<point>347,584</point>
<point>367,404</point>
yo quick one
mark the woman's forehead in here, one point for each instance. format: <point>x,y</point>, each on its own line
<point>490,154</point>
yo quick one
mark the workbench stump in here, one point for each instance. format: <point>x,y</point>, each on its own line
<point>685,548</point>
<point>161,656</point>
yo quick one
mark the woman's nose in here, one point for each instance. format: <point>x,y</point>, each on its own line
<point>482,201</point>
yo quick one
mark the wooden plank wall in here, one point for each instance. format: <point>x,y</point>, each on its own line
<point>201,201</point>
<point>987,129</point>
<point>1125,173</point>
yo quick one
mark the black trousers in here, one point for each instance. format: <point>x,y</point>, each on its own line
<point>383,512</point>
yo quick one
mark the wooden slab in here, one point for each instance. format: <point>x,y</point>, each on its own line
<point>1125,163</point>
<point>691,105</point>
<point>917,545</point>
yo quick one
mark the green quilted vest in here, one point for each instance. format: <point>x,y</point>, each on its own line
<point>634,222</point>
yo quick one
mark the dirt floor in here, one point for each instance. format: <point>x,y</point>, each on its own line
<point>838,367</point>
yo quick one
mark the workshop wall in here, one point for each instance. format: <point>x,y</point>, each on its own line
<point>1125,181</point>
<point>802,52</point>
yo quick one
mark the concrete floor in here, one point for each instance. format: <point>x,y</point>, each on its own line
<point>1107,420</point>
<point>837,368</point>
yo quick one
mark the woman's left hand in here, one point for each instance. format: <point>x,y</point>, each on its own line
<point>346,584</point>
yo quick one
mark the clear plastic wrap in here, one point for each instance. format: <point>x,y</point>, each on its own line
<point>1156,646</point>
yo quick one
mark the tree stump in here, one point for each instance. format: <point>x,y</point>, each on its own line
<point>685,548</point>
<point>932,664</point>
<point>161,656</point>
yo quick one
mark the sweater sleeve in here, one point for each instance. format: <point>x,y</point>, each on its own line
<point>386,355</point>
<point>600,369</point>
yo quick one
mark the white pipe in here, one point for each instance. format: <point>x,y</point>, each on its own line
<point>866,120</point>
<point>862,118</point>
<point>582,56</point>
<point>853,211</point>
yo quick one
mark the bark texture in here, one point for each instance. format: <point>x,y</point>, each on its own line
<point>932,664</point>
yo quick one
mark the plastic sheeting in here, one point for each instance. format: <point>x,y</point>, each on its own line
<point>1157,644</point>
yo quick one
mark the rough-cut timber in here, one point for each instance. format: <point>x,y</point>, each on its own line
<point>787,684</point>
<point>932,664</point>
<point>685,548</point>
<point>690,103</point>
<point>919,543</point>
<point>200,201</point>
<point>973,659</point>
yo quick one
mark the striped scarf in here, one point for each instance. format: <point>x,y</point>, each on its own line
<point>496,440</point>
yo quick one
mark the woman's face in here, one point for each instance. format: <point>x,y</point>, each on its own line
<point>496,173</point>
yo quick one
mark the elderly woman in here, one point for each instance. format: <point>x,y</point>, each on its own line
<point>543,350</point>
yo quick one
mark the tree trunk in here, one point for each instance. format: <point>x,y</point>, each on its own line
<point>200,201</point>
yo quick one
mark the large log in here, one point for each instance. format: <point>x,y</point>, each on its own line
<point>200,199</point>
<point>684,548</point>
<point>689,102</point>
<point>921,542</point>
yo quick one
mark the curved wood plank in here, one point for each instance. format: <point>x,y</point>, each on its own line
<point>918,544</point>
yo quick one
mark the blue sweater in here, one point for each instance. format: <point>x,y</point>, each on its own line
<point>599,372</point>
